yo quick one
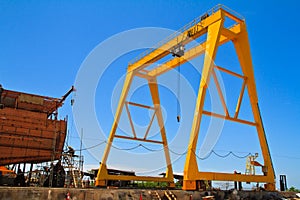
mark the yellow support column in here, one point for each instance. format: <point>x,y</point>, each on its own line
<point>191,168</point>
<point>156,102</point>
<point>242,47</point>
<point>102,173</point>
<point>103,176</point>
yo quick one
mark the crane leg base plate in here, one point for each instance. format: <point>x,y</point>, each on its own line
<point>100,183</point>
<point>189,185</point>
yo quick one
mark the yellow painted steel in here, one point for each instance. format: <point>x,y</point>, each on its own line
<point>103,176</point>
<point>191,167</point>
<point>212,24</point>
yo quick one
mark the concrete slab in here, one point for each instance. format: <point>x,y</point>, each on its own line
<point>31,193</point>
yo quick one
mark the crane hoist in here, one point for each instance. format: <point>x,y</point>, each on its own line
<point>213,24</point>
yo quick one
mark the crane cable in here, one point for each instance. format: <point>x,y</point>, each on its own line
<point>68,136</point>
<point>178,91</point>
<point>178,94</point>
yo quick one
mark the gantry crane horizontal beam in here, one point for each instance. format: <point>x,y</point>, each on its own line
<point>138,139</point>
<point>233,177</point>
<point>190,32</point>
<point>193,52</point>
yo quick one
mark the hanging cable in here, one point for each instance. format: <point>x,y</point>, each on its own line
<point>91,147</point>
<point>178,91</point>
<point>202,158</point>
<point>73,98</point>
<point>68,137</point>
<point>147,148</point>
<point>178,94</point>
<point>178,154</point>
<point>178,51</point>
<point>128,149</point>
<point>249,154</point>
<point>221,156</point>
<point>172,151</point>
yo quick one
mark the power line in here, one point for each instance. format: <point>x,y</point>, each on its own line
<point>185,152</point>
<point>91,147</point>
<point>126,149</point>
<point>149,149</point>
<point>178,154</point>
<point>222,156</point>
<point>172,151</point>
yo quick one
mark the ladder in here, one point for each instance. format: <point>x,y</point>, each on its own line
<point>75,172</point>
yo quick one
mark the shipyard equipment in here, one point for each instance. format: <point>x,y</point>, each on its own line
<point>212,25</point>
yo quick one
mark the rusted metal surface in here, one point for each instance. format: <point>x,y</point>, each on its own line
<point>29,134</point>
<point>30,102</point>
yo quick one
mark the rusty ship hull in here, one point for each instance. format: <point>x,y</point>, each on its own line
<point>29,130</point>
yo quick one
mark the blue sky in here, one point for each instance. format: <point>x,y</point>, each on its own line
<point>43,45</point>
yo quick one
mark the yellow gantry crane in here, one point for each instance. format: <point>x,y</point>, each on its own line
<point>212,23</point>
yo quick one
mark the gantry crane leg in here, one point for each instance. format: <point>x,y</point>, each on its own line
<point>241,44</point>
<point>191,171</point>
<point>103,175</point>
<point>191,166</point>
<point>156,102</point>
